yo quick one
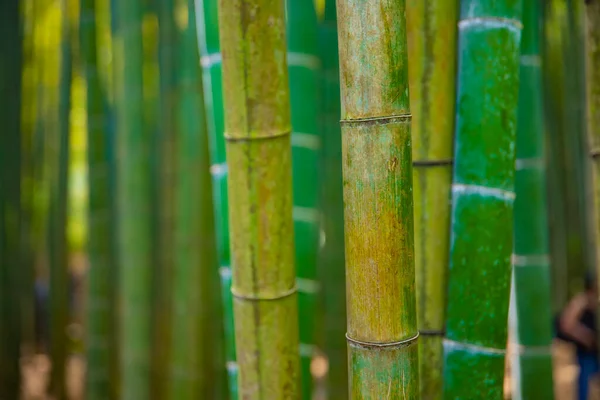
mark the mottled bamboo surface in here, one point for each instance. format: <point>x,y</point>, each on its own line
<point>35,372</point>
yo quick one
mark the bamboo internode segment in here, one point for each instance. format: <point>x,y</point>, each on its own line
<point>482,199</point>
<point>378,206</point>
<point>257,118</point>
<point>432,28</point>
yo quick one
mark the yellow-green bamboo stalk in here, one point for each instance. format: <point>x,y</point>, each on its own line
<point>257,130</point>
<point>432,73</point>
<point>378,204</point>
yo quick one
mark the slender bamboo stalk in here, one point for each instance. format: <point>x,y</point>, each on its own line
<point>593,103</point>
<point>552,71</point>
<point>208,42</point>
<point>564,78</point>
<point>133,202</point>
<point>304,67</point>
<point>57,239</point>
<point>196,367</point>
<point>101,329</point>
<point>10,198</point>
<point>378,205</point>
<point>257,131</point>
<point>332,265</point>
<point>432,54</point>
<point>482,199</point>
<point>531,260</point>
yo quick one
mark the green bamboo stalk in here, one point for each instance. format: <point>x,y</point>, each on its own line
<point>164,178</point>
<point>571,230</point>
<point>482,199</point>
<point>11,53</point>
<point>57,235</point>
<point>593,104</point>
<point>208,43</point>
<point>378,205</point>
<point>101,310</point>
<point>196,363</point>
<point>304,68</point>
<point>432,53</point>
<point>531,260</point>
<point>134,206</point>
<point>257,131</point>
<point>332,266</point>
<point>554,97</point>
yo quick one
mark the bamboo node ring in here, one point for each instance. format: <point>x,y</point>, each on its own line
<point>402,343</point>
<point>251,297</point>
<point>260,136</point>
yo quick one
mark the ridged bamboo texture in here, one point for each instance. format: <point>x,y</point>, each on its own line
<point>432,38</point>
<point>58,151</point>
<point>10,198</point>
<point>481,234</point>
<point>593,104</point>
<point>332,266</point>
<point>531,261</point>
<point>378,204</point>
<point>257,131</point>
<point>197,365</point>
<point>101,310</point>
<point>134,204</point>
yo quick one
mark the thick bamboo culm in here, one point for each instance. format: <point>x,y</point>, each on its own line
<point>196,353</point>
<point>133,202</point>
<point>432,73</point>
<point>331,269</point>
<point>531,261</point>
<point>10,198</point>
<point>101,305</point>
<point>378,205</point>
<point>257,131</point>
<point>482,199</point>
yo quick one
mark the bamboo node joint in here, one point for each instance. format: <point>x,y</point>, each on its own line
<point>402,343</point>
<point>253,297</point>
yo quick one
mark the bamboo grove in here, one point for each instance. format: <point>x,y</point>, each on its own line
<point>298,199</point>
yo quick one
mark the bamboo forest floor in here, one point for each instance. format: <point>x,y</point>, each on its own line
<point>36,370</point>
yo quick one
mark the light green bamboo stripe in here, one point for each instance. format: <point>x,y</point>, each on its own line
<point>295,59</point>
<point>483,191</point>
<point>303,285</point>
<point>491,23</point>
<point>450,345</point>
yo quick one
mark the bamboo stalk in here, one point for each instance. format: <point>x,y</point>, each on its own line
<point>432,53</point>
<point>57,238</point>
<point>531,260</point>
<point>593,104</point>
<point>196,362</point>
<point>208,43</point>
<point>257,131</point>
<point>133,202</point>
<point>482,199</point>
<point>101,310</point>
<point>11,53</point>
<point>332,265</point>
<point>552,70</point>
<point>303,68</point>
<point>378,206</point>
